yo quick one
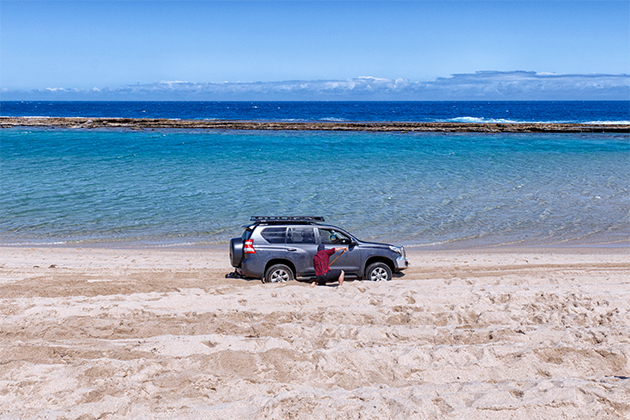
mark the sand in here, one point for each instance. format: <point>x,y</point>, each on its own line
<point>108,333</point>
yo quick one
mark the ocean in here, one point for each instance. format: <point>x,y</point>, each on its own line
<point>175,187</point>
<point>596,112</point>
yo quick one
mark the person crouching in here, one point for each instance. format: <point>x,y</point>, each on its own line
<point>322,266</point>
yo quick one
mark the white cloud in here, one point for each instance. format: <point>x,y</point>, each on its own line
<point>482,85</point>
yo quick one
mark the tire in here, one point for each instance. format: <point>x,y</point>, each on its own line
<point>236,251</point>
<point>378,272</point>
<point>278,273</point>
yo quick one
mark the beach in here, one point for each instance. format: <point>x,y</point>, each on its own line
<point>157,333</point>
<point>481,149</point>
<point>115,304</point>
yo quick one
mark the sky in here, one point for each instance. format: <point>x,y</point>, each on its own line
<point>216,50</point>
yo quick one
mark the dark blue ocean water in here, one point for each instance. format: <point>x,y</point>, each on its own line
<point>513,111</point>
<point>177,187</point>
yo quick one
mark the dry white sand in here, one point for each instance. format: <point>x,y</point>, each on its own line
<point>161,334</point>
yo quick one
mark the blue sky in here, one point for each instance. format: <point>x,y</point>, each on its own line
<point>109,49</point>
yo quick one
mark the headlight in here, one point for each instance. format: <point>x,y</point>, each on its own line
<point>398,249</point>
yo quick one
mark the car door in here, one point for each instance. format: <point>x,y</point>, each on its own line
<point>349,261</point>
<point>302,246</point>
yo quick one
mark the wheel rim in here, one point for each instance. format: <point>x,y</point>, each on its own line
<point>378,274</point>
<point>279,276</point>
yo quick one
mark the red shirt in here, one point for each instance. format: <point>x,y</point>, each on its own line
<point>320,261</point>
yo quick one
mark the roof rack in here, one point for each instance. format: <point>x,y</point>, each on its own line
<point>284,219</point>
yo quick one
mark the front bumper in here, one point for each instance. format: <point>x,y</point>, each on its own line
<point>401,263</point>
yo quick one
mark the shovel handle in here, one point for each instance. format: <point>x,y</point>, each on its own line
<point>333,261</point>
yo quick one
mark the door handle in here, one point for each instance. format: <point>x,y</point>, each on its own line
<point>291,249</point>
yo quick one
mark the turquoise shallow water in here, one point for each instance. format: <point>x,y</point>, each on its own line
<point>148,188</point>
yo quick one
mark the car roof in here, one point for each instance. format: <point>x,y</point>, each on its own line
<point>285,224</point>
<point>284,220</point>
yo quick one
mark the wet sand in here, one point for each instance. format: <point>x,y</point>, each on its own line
<point>153,123</point>
<point>161,333</point>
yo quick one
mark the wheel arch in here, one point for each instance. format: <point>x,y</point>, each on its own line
<point>275,261</point>
<point>376,259</point>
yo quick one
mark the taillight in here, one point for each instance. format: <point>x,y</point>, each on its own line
<point>249,247</point>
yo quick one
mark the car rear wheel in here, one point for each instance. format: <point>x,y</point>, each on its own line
<point>378,272</point>
<point>278,273</point>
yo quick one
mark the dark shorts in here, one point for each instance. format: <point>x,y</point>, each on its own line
<point>329,277</point>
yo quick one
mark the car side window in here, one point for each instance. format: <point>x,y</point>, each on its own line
<point>274,235</point>
<point>333,237</point>
<point>300,235</point>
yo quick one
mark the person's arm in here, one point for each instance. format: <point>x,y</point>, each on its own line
<point>340,249</point>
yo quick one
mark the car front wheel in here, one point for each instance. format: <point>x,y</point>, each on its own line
<point>378,272</point>
<point>278,273</point>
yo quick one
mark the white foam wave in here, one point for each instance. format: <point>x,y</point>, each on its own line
<point>32,117</point>
<point>478,120</point>
<point>608,122</point>
<point>42,243</point>
<point>333,119</point>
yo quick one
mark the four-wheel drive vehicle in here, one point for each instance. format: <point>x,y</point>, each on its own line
<point>281,248</point>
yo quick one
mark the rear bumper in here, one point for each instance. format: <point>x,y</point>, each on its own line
<point>252,267</point>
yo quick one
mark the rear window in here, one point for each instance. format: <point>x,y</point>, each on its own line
<point>274,235</point>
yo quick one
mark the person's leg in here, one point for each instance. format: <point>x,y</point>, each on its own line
<point>341,277</point>
<point>321,280</point>
<point>330,276</point>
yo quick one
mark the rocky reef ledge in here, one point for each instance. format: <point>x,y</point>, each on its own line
<point>149,123</point>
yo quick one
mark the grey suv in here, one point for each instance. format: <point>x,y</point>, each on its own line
<point>281,248</point>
